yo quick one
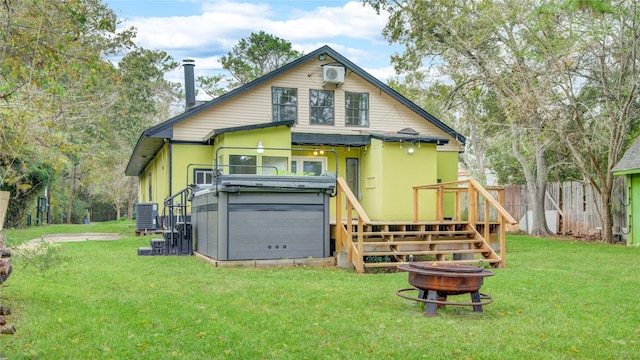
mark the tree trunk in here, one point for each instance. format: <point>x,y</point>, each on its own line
<point>607,216</point>
<point>72,188</point>
<point>475,161</point>
<point>536,177</point>
<point>133,196</point>
<point>539,220</point>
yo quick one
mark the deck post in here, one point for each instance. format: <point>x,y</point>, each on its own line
<point>503,232</point>
<point>458,205</point>
<point>338,219</point>
<point>440,206</point>
<point>349,232</point>
<point>415,204</point>
<point>472,205</point>
<point>487,223</point>
<point>360,245</point>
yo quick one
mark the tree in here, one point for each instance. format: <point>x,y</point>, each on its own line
<point>142,98</point>
<point>51,69</point>
<point>486,48</point>
<point>594,47</point>
<point>563,73</point>
<point>249,59</point>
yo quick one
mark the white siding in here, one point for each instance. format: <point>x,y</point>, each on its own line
<point>254,107</point>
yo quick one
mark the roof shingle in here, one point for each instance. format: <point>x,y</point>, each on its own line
<point>630,162</point>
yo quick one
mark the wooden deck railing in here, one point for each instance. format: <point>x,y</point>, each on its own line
<point>476,215</point>
<point>344,231</point>
<point>479,206</point>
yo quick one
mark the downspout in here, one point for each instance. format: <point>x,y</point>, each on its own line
<point>170,167</point>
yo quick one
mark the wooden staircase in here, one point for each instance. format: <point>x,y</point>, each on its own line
<point>374,244</point>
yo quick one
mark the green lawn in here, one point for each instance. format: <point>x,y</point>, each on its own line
<point>556,299</point>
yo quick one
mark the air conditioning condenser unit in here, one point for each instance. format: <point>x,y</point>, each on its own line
<point>332,74</point>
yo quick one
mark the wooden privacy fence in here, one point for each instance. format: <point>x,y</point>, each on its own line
<point>572,207</point>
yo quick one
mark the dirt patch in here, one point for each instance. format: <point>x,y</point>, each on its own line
<point>57,238</point>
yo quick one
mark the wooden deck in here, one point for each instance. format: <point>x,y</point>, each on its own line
<point>373,243</point>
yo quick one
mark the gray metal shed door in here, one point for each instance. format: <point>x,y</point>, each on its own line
<point>274,231</point>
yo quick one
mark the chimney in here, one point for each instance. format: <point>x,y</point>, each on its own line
<point>189,83</point>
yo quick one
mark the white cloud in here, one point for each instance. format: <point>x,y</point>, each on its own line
<point>382,73</point>
<point>221,24</point>
<point>350,28</point>
<point>351,20</point>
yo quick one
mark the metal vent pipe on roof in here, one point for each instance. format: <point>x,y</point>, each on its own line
<point>189,83</point>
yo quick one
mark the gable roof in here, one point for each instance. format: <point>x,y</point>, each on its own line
<point>630,162</point>
<point>151,140</point>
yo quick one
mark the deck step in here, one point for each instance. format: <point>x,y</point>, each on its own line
<point>472,262</point>
<point>423,252</point>
<point>416,223</point>
<point>419,232</point>
<point>422,242</point>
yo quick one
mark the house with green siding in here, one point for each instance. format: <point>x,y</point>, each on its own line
<point>320,114</point>
<point>629,166</point>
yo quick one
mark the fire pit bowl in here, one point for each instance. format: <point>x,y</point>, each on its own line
<point>434,281</point>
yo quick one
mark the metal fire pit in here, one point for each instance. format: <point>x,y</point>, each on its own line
<point>434,281</point>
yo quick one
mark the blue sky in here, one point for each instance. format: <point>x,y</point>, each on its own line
<point>205,30</point>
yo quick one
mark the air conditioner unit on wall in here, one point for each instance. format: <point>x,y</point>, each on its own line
<point>332,74</point>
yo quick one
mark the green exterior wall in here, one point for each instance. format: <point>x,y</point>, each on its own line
<point>447,172</point>
<point>159,169</point>
<point>388,174</point>
<point>271,138</point>
<point>401,172</point>
<point>371,177</point>
<point>633,238</point>
<point>186,158</point>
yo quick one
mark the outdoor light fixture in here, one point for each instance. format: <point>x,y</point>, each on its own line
<point>410,150</point>
<point>322,57</point>
<point>260,149</point>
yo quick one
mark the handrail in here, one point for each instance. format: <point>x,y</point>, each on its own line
<point>183,196</point>
<point>344,234</point>
<point>493,202</point>
<point>478,187</point>
<point>353,200</point>
<point>473,189</point>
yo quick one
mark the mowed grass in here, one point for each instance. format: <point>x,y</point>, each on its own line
<point>556,299</point>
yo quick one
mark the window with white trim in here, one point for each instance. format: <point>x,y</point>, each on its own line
<point>203,177</point>
<point>274,164</point>
<point>308,165</point>
<point>242,164</point>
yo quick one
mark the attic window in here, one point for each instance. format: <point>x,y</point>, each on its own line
<point>357,109</point>
<point>321,103</point>
<point>284,104</point>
